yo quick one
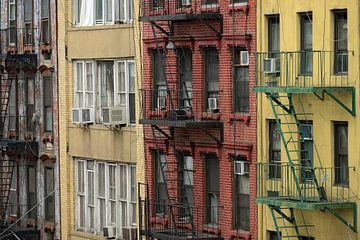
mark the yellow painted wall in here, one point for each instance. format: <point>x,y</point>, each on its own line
<point>96,141</point>
<point>327,227</point>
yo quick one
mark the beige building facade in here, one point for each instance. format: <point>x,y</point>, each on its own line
<point>97,90</point>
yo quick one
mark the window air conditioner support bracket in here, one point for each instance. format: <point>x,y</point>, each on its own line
<point>351,110</point>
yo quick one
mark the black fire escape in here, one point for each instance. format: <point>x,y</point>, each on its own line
<point>172,108</point>
<point>16,55</point>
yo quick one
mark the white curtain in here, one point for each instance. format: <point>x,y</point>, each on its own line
<point>87,13</point>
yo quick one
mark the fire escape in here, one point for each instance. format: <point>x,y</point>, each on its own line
<point>170,109</point>
<point>302,182</point>
<point>15,55</point>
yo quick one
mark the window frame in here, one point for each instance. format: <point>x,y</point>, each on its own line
<point>305,52</point>
<point>46,19</point>
<point>84,91</point>
<point>33,214</point>
<point>48,103</point>
<point>208,193</point>
<point>273,19</point>
<point>12,23</point>
<point>275,166</point>
<point>340,14</point>
<point>243,81</point>
<point>209,77</point>
<point>31,22</point>
<point>339,180</point>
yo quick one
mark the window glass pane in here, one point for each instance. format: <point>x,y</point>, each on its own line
<point>101,180</point>
<point>133,184</point>
<point>44,8</point>
<point>241,89</point>
<point>28,10</point>
<point>13,198</point>
<point>99,10</point>
<point>274,34</point>
<point>90,188</point>
<point>32,191</point>
<point>109,10</point>
<point>123,182</point>
<point>107,84</point>
<point>49,188</point>
<point>81,180</point>
<point>48,95</point>
<point>122,9</point>
<point>211,74</point>
<point>130,9</point>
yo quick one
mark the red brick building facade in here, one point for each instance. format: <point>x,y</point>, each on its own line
<point>199,114</point>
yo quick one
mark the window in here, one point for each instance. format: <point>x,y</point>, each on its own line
<point>341,154</point>
<point>90,12</point>
<point>341,45</point>
<point>32,191</point>
<point>13,196</point>
<point>307,145</point>
<point>48,103</point>
<point>274,150</point>
<point>273,235</point>
<point>274,35</point>
<point>30,102</point>
<point>81,194</point>
<point>187,185</point>
<point>49,191</point>
<point>12,23</point>
<point>160,184</point>
<point>210,2</point>
<point>125,87</point>
<point>113,200</point>
<point>306,55</point>
<point>241,199</point>
<point>239,1</point>
<point>185,74</point>
<point>116,90</point>
<point>211,76</point>
<point>158,4</point>
<point>212,190</point>
<point>45,25</point>
<point>241,85</point>
<point>12,107</point>
<point>28,13</point>
<point>159,79</point>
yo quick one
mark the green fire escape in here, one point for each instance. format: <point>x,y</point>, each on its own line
<point>301,183</point>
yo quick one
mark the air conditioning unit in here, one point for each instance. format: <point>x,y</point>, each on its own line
<point>244,58</point>
<point>271,65</point>
<point>213,103</point>
<point>109,231</point>
<point>161,103</point>
<point>130,233</point>
<point>306,131</point>
<point>186,3</point>
<point>83,115</point>
<point>241,168</point>
<point>114,115</point>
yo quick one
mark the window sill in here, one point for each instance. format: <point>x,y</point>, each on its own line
<point>210,116</point>
<point>159,219</point>
<point>212,228</point>
<point>242,117</point>
<point>238,233</point>
<point>76,28</point>
<point>239,7</point>
<point>209,8</point>
<point>86,235</point>
<point>49,226</point>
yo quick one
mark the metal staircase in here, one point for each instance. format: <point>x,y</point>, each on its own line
<point>5,89</point>
<point>286,225</point>
<point>301,166</point>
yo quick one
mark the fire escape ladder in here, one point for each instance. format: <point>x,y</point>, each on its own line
<point>286,225</point>
<point>5,89</point>
<point>292,136</point>
<point>6,175</point>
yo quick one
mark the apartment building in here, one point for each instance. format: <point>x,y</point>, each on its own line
<point>97,86</point>
<point>307,79</point>
<point>29,124</point>
<point>199,118</point>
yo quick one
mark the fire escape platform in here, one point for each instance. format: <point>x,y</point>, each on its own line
<point>183,123</point>
<point>306,205</point>
<point>297,89</point>
<point>163,235</point>
<point>182,17</point>
<point>18,145</point>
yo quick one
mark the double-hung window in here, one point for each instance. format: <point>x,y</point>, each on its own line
<point>125,88</point>
<point>160,183</point>
<point>341,154</point>
<point>45,25</point>
<point>49,194</point>
<point>187,185</point>
<point>84,84</point>
<point>12,23</point>
<point>211,78</point>
<point>306,54</point>
<point>30,102</point>
<point>274,150</point>
<point>28,14</point>
<point>212,190</point>
<point>48,103</point>
<point>274,36</point>
<point>112,202</point>
<point>32,191</point>
<point>13,196</point>
<point>125,9</point>
<point>341,42</point>
<point>241,85</point>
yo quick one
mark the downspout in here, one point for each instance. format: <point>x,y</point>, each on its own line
<point>259,111</point>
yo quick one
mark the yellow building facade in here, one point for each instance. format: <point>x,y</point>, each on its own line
<point>98,82</point>
<point>308,119</point>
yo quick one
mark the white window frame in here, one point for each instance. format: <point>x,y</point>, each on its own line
<point>127,92</point>
<point>104,13</point>
<point>97,211</point>
<point>84,90</point>
<point>128,6</point>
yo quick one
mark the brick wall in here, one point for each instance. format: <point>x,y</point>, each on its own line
<point>239,129</point>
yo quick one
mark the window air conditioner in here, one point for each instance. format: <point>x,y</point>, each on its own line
<point>186,3</point>
<point>109,231</point>
<point>244,58</point>
<point>82,115</point>
<point>241,168</point>
<point>161,102</point>
<point>114,115</point>
<point>130,233</point>
<point>213,103</point>
<point>271,65</point>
